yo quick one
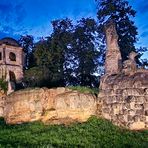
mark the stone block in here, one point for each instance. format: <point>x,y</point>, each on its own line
<point>106,116</point>
<point>127,106</point>
<point>106,110</point>
<point>140,112</point>
<point>130,118</point>
<point>119,91</point>
<point>146,112</point>
<point>125,111</point>
<point>137,125</point>
<point>131,112</point>
<point>140,100</point>
<point>146,91</point>
<point>136,118</point>
<point>139,106</point>
<point>146,98</point>
<point>109,100</point>
<point>142,118</point>
<point>128,99</point>
<point>146,119</point>
<point>132,105</point>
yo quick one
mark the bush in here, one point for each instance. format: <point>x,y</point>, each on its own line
<point>94,133</point>
<point>83,89</point>
<point>3,85</point>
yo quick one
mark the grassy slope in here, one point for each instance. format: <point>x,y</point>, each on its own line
<point>94,133</point>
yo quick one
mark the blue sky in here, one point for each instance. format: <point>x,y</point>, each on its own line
<point>34,16</point>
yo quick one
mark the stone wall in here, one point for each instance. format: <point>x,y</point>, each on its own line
<point>58,106</point>
<point>124,99</point>
<point>123,94</point>
<point>2,102</point>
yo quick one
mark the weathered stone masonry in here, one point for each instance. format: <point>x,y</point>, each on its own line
<point>125,99</point>
<point>11,62</point>
<point>113,55</point>
<point>123,93</point>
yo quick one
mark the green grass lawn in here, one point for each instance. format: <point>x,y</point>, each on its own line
<point>95,133</point>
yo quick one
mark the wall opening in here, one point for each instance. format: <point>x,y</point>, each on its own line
<point>12,56</point>
<point>0,56</point>
<point>12,76</point>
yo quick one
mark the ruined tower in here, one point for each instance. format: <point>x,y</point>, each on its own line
<point>113,56</point>
<point>11,62</point>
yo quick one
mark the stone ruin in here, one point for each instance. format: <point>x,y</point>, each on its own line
<point>51,106</point>
<point>123,92</point>
<point>130,65</point>
<point>122,99</point>
<point>113,55</point>
<point>11,62</point>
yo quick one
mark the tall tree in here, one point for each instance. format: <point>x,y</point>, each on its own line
<point>70,56</point>
<point>43,59</point>
<point>122,13</point>
<point>61,49</point>
<point>86,52</point>
<point>27,43</point>
<point>52,56</point>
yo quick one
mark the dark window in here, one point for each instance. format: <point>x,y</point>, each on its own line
<point>12,56</point>
<point>0,56</point>
<point>12,76</point>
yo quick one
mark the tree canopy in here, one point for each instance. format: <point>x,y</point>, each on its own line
<point>122,13</point>
<point>74,53</point>
<point>69,56</point>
